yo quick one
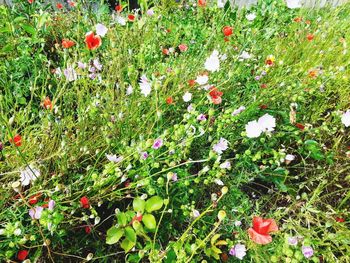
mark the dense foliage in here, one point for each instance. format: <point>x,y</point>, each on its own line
<point>182,132</point>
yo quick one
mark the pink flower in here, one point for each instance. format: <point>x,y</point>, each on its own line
<point>35,213</point>
<point>157,143</point>
<point>183,47</point>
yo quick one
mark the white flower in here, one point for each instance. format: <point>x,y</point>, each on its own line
<point>213,62</point>
<point>17,232</point>
<point>245,55</point>
<point>202,79</point>
<point>114,158</point>
<point>129,90</point>
<point>221,146</point>
<point>145,86</point>
<point>29,174</point>
<point>225,165</point>
<point>345,118</point>
<point>267,123</point>
<point>195,213</point>
<point>251,16</point>
<point>290,157</point>
<point>253,129</point>
<point>293,3</point>
<point>218,182</point>
<point>221,3</point>
<point>240,251</point>
<point>101,30</point>
<point>187,97</point>
<point>121,20</point>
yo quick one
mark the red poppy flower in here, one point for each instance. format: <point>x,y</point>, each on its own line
<point>202,3</point>
<point>118,8</point>
<point>191,82</point>
<point>87,229</point>
<point>131,17</point>
<point>183,47</point>
<point>92,41</point>
<point>22,255</point>
<point>215,95</point>
<point>259,233</point>
<point>59,5</point>
<point>227,30</point>
<point>169,100</point>
<point>165,51</point>
<point>310,37</point>
<point>269,62</point>
<point>84,201</point>
<point>47,103</point>
<point>30,1</point>
<point>34,199</point>
<point>66,43</point>
<point>340,219</point>
<point>17,140</point>
<point>300,126</point>
<point>263,86</point>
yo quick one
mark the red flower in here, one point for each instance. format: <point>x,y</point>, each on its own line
<point>215,95</point>
<point>183,47</point>
<point>340,219</point>
<point>118,8</point>
<point>227,30</point>
<point>59,5</point>
<point>84,201</point>
<point>87,229</point>
<point>17,140</point>
<point>71,3</point>
<point>169,100</point>
<point>263,106</point>
<point>47,103</point>
<point>92,41</point>
<point>259,233</point>
<point>131,17</point>
<point>165,51</point>
<point>66,43</point>
<point>191,82</point>
<point>30,1</point>
<point>269,62</point>
<point>263,86</point>
<point>310,37</point>
<point>34,199</point>
<point>300,126</point>
<point>22,255</point>
<point>202,3</point>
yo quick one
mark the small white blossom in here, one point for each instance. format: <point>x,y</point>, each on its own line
<point>293,4</point>
<point>29,174</point>
<point>250,16</point>
<point>345,118</point>
<point>252,129</point>
<point>202,79</point>
<point>101,30</point>
<point>145,86</point>
<point>213,62</point>
<point>187,97</point>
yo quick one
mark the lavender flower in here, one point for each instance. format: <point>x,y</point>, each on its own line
<point>70,74</point>
<point>52,204</point>
<point>221,146</point>
<point>293,241</point>
<point>239,251</point>
<point>35,213</point>
<point>307,251</point>
<point>201,117</point>
<point>157,143</point>
<point>144,155</point>
<point>174,177</point>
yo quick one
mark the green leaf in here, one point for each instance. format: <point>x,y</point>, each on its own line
<point>139,205</point>
<point>29,29</point>
<point>154,203</point>
<point>113,235</point>
<point>122,219</point>
<point>130,234</point>
<point>127,245</point>
<point>149,221</point>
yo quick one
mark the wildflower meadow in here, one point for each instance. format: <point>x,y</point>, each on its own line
<point>179,131</point>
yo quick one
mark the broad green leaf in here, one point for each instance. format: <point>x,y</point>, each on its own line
<point>154,203</point>
<point>137,226</point>
<point>114,234</point>
<point>149,221</point>
<point>29,29</point>
<point>130,234</point>
<point>122,219</point>
<point>139,205</point>
<point>127,245</point>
